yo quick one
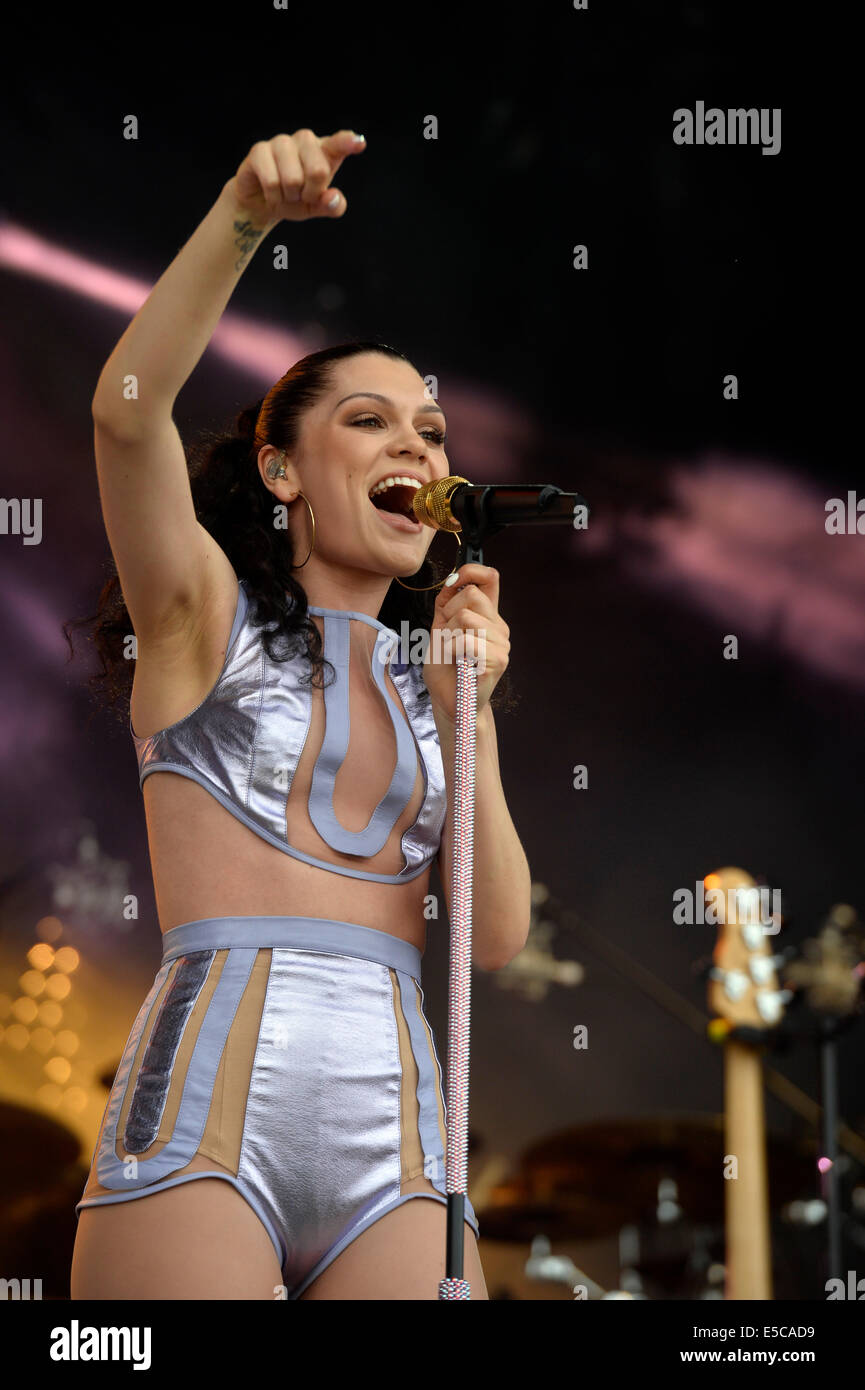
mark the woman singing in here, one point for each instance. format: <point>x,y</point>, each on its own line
<point>278,1109</point>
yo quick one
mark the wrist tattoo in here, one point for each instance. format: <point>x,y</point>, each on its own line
<point>247,236</point>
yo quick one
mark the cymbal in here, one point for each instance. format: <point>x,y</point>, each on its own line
<point>621,1162</point>
<point>515,1211</point>
<point>34,1149</point>
<point>586,1220</point>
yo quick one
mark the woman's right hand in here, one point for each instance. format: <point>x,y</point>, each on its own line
<point>288,176</point>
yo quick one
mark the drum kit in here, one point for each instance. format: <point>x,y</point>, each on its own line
<point>695,1206</point>
<point>647,1187</point>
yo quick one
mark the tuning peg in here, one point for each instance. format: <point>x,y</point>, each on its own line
<point>771,1003</point>
<point>762,968</point>
<point>735,982</point>
<point>755,933</point>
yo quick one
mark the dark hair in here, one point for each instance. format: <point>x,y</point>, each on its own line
<point>232,503</point>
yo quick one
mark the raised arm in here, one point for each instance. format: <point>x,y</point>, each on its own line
<point>165,559</point>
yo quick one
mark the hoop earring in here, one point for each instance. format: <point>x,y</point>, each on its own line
<point>312,517</point>
<point>422,588</point>
<point>276,469</point>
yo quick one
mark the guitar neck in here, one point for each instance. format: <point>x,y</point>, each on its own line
<point>749,1262</point>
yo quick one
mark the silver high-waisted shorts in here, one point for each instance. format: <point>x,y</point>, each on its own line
<point>295,1053</point>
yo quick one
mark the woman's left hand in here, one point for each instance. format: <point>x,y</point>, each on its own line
<point>469,610</point>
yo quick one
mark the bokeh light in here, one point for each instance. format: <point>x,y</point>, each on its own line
<point>50,1013</point>
<point>67,1043</point>
<point>49,1095</point>
<point>67,959</point>
<point>41,956</point>
<point>42,1039</point>
<point>75,1099</point>
<point>32,982</point>
<point>49,928</point>
<point>25,1009</point>
<point>58,986</point>
<point>58,1069</point>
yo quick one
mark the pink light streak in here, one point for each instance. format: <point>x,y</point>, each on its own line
<point>492,430</point>
<point>746,542</point>
<point>257,348</point>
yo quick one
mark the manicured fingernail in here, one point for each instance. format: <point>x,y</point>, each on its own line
<point>361,138</point>
<point>332,202</point>
<point>452,578</point>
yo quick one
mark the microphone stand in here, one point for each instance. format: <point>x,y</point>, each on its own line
<point>454,1285</point>
<point>475,524</point>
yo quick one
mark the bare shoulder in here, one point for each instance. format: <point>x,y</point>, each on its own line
<point>174,672</point>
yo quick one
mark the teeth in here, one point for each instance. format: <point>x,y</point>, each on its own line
<point>392,481</point>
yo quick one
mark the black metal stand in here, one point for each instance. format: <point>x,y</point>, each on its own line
<point>830,1184</point>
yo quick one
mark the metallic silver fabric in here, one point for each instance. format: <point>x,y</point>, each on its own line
<point>322,1145</point>
<point>322,1118</point>
<point>324,1148</point>
<point>244,741</point>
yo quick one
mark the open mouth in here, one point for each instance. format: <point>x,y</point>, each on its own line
<point>394,504</point>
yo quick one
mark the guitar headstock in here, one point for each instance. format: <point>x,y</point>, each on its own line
<point>743,982</point>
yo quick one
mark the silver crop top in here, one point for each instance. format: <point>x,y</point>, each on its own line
<point>244,741</point>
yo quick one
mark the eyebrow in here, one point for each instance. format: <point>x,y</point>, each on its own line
<point>373,395</point>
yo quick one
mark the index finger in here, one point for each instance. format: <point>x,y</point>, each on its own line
<point>336,147</point>
<point>484,576</point>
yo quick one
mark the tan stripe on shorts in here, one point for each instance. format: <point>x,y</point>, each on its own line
<point>436,1070</point>
<point>411,1147</point>
<point>223,1132</point>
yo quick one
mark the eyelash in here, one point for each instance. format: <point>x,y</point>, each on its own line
<point>439,435</point>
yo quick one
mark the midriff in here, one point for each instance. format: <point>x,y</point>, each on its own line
<point>206,863</point>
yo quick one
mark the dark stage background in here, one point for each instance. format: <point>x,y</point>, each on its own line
<point>554,130</point>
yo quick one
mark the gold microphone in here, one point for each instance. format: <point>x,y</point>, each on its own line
<point>431,503</point>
